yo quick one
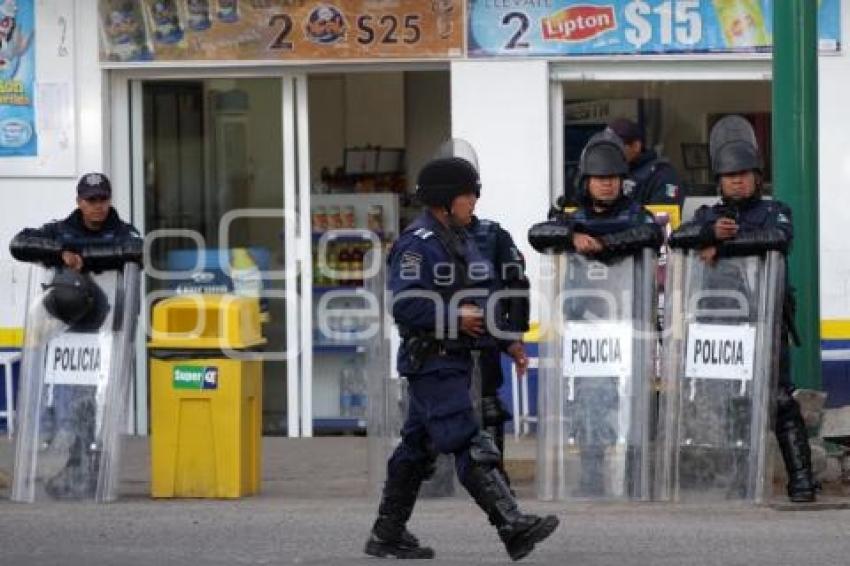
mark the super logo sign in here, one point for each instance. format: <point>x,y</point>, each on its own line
<point>579,23</point>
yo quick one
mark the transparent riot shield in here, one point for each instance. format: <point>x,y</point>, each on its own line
<point>720,362</point>
<point>385,388</point>
<point>596,365</point>
<point>75,390</point>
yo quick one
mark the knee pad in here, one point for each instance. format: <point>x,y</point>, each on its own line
<point>483,450</point>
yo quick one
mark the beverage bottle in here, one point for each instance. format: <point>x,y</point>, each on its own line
<point>357,256</point>
<point>247,279</point>
<point>742,22</point>
<point>345,261</point>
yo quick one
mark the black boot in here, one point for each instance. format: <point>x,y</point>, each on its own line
<point>389,537</point>
<point>794,445</point>
<point>485,483</point>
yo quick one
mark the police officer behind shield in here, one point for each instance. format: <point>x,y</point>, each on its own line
<point>744,223</point>
<point>606,225</point>
<point>651,179</point>
<point>91,239</point>
<point>431,266</point>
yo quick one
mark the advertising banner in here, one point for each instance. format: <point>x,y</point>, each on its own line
<point>190,30</point>
<point>17,78</point>
<point>551,28</point>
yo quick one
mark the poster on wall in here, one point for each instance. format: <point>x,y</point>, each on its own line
<point>17,79</point>
<point>551,28</point>
<point>225,30</point>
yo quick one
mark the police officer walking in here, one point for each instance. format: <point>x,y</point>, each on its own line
<point>439,282</point>
<point>745,223</point>
<point>651,179</point>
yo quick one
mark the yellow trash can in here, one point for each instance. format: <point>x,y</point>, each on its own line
<point>206,403</point>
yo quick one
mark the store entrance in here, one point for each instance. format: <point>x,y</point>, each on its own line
<point>212,157</point>
<point>370,133</point>
<point>676,118</point>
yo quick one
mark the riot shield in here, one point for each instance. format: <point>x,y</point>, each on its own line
<point>75,390</point>
<point>386,391</point>
<point>719,364</point>
<point>596,361</point>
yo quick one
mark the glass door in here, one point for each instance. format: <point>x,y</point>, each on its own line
<point>214,174</point>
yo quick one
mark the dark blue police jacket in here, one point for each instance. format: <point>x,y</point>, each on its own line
<point>428,265</point>
<point>624,214</point>
<point>653,180</point>
<point>751,216</point>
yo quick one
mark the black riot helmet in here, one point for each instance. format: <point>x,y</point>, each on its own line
<point>733,147</point>
<point>76,300</point>
<point>603,156</point>
<point>453,171</point>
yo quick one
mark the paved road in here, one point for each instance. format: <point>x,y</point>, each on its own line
<point>274,530</point>
<point>315,509</point>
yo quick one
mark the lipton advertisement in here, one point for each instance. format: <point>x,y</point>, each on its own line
<point>529,28</point>
<point>186,30</point>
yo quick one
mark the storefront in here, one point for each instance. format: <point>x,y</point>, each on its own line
<point>287,170</point>
<point>276,124</point>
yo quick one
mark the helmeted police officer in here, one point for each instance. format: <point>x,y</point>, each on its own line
<point>651,179</point>
<point>91,239</point>
<point>439,283</point>
<point>744,223</point>
<point>607,222</point>
<point>606,225</point>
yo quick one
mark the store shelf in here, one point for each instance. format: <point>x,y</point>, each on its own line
<point>337,348</point>
<point>348,238</point>
<point>340,424</point>
<point>318,290</point>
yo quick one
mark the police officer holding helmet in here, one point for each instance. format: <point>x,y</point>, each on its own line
<point>745,223</point>
<point>439,283</point>
<point>91,239</point>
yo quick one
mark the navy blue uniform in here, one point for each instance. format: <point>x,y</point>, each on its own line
<point>758,221</point>
<point>46,244</point>
<point>652,180</point>
<point>106,248</point>
<point>428,266</point>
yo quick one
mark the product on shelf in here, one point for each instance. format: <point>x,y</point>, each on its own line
<point>334,218</point>
<point>347,217</point>
<point>320,219</point>
<point>375,218</point>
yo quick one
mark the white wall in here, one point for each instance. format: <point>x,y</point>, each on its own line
<point>502,109</point>
<point>834,181</point>
<point>31,201</point>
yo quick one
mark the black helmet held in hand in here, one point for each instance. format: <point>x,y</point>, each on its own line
<point>76,300</point>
